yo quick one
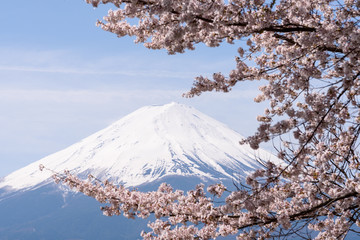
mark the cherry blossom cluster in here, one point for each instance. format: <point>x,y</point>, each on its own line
<point>307,54</point>
<point>194,215</point>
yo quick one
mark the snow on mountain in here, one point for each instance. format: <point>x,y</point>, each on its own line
<point>148,144</point>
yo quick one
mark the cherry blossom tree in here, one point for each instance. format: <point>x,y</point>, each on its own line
<point>307,54</point>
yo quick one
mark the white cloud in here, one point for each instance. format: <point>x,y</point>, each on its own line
<point>99,71</point>
<point>160,65</point>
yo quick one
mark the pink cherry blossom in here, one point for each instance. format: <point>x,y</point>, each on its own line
<point>306,52</point>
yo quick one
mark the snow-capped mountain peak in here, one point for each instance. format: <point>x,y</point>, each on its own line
<point>146,145</point>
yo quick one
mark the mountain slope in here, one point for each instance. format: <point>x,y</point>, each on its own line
<point>148,144</point>
<point>171,143</point>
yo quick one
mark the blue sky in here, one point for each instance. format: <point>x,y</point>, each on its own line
<point>62,79</point>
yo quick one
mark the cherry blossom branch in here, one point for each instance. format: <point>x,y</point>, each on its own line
<point>306,52</point>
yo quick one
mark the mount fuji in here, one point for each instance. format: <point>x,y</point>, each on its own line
<point>147,145</point>
<point>172,143</point>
